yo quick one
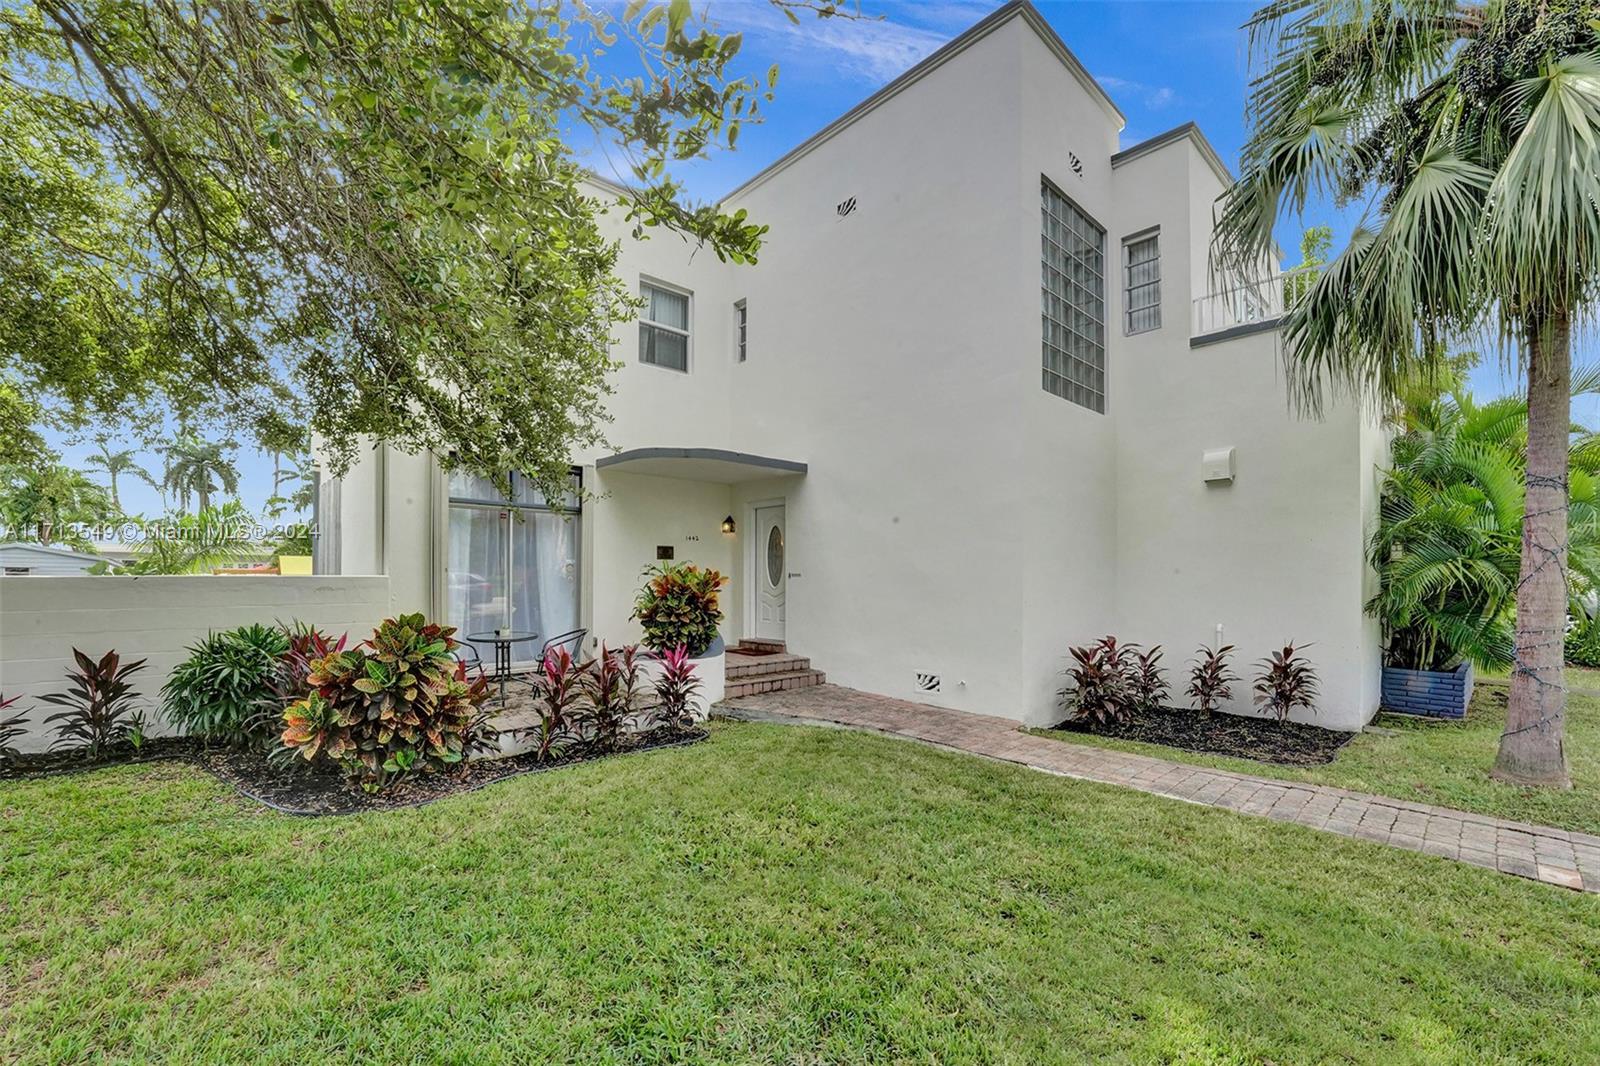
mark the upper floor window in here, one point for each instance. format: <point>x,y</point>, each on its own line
<point>741,319</point>
<point>1074,302</point>
<point>1141,259</point>
<point>664,327</point>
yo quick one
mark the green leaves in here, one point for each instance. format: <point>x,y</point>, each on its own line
<point>357,217</point>
<point>1475,135</point>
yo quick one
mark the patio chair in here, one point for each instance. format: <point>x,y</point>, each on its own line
<point>468,653</point>
<point>571,640</point>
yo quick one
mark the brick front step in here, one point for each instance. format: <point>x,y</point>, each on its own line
<point>744,666</point>
<point>777,682</point>
<point>763,646</point>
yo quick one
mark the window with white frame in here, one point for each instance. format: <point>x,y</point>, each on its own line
<point>1074,302</point>
<point>1141,282</point>
<point>741,319</point>
<point>664,327</point>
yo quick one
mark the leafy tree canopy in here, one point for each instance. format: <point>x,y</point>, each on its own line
<point>350,215</point>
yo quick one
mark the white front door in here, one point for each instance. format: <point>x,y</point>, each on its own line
<point>772,573</point>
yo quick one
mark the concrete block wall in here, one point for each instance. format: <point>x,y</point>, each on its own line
<point>155,618</point>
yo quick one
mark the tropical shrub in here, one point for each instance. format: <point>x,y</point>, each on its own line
<point>1210,678</point>
<point>611,684</point>
<point>1286,681</point>
<point>101,704</point>
<point>1583,642</point>
<point>678,605</point>
<point>1447,547</point>
<point>676,688</point>
<point>216,693</point>
<point>558,688</point>
<point>397,705</point>
<point>1147,679</point>
<point>307,644</point>
<point>1101,676</point>
<point>12,727</point>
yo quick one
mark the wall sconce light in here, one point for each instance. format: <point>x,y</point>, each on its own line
<point>727,525</point>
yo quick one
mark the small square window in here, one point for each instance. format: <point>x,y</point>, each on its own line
<point>664,327</point>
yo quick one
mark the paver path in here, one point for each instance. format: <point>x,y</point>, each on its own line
<point>1542,853</point>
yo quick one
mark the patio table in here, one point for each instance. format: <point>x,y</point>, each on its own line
<point>502,639</point>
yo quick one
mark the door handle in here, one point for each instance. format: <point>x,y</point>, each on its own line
<point>794,573</point>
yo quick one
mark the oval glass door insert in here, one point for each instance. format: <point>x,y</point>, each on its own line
<point>775,556</point>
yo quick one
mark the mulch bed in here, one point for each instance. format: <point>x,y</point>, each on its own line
<point>1261,739</point>
<point>323,792</point>
<point>57,763</point>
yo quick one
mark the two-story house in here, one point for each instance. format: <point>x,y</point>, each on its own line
<point>980,400</point>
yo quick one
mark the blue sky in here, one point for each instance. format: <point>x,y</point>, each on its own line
<point>1163,63</point>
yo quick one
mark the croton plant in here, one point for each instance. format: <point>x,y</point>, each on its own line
<point>398,704</point>
<point>678,605</point>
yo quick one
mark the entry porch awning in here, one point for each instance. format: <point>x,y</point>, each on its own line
<point>700,464</point>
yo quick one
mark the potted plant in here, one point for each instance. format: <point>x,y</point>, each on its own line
<point>678,606</point>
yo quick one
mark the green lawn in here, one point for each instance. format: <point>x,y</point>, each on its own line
<point>777,895</point>
<point>1432,761</point>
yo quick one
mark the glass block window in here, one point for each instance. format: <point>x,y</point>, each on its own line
<point>741,319</point>
<point>1141,258</point>
<point>664,327</point>
<point>1074,302</point>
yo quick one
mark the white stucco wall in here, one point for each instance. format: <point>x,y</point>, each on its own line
<point>156,618</point>
<point>629,516</point>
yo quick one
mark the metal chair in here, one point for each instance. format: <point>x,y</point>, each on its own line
<point>468,654</point>
<point>571,640</point>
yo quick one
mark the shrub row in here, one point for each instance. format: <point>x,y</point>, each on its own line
<point>1109,681</point>
<point>397,704</point>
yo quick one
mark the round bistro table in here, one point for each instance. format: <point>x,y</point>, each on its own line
<point>502,639</point>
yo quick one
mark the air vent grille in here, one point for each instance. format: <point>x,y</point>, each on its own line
<point>927,682</point>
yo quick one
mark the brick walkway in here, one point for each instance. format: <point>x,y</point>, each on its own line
<point>1555,856</point>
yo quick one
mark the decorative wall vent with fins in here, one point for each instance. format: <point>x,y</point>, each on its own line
<point>927,682</point>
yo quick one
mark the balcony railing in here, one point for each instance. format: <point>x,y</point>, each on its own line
<point>1257,302</point>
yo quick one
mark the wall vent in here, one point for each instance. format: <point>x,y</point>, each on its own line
<point>927,682</point>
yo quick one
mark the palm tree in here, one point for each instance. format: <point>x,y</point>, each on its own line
<point>1475,131</point>
<point>49,501</point>
<point>115,464</point>
<point>199,467</point>
<point>1449,537</point>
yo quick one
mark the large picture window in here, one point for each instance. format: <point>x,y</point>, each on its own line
<point>513,564</point>
<point>1074,302</point>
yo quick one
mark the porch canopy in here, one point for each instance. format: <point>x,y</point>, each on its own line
<point>700,464</point>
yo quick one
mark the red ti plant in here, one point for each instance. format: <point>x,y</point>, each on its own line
<point>1147,681</point>
<point>1210,679</point>
<point>11,727</point>
<point>100,704</point>
<point>557,688</point>
<point>1287,680</point>
<point>612,684</point>
<point>676,688</point>
<point>1101,690</point>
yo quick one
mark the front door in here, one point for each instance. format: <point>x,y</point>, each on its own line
<point>772,563</point>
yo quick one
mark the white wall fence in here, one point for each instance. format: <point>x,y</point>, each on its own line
<point>155,618</point>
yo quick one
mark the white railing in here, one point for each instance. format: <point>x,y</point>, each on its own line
<point>1236,302</point>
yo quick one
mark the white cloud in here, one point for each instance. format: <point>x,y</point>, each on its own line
<point>1153,97</point>
<point>869,50</point>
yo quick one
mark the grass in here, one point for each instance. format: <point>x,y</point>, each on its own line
<point>1434,761</point>
<point>778,895</point>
